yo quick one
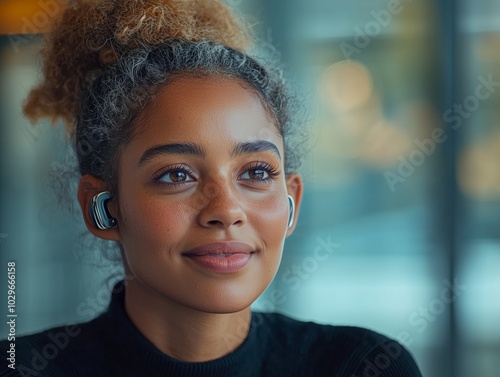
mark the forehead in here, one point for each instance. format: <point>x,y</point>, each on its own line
<point>204,109</point>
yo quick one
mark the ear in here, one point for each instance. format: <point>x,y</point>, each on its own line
<point>294,187</point>
<point>89,187</point>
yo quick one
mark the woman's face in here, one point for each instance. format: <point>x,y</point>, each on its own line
<point>203,208</point>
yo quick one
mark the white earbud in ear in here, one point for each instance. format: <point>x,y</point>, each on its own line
<point>99,212</point>
<point>292,210</point>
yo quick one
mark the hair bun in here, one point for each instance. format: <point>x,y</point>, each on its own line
<point>91,34</point>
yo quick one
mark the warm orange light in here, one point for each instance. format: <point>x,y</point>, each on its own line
<point>478,173</point>
<point>28,16</point>
<point>346,85</point>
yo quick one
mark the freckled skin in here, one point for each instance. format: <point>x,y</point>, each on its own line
<point>162,223</point>
<point>217,201</point>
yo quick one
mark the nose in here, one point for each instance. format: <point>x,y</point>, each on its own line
<point>220,206</point>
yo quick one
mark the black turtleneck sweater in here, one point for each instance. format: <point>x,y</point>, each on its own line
<point>276,345</point>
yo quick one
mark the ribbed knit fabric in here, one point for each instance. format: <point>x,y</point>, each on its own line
<point>276,345</point>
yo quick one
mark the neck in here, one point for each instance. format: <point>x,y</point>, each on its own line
<point>181,332</point>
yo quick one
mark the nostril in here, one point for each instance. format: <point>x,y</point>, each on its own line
<point>215,222</point>
<point>222,223</point>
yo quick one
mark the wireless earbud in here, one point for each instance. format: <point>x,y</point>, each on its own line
<point>292,210</point>
<point>99,211</point>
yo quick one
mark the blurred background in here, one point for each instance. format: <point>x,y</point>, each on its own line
<point>400,226</point>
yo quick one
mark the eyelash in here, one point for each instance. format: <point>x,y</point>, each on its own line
<point>271,171</point>
<point>176,168</point>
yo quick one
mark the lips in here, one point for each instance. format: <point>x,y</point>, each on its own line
<point>226,257</point>
<point>220,248</point>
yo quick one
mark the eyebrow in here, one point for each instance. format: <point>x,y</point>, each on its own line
<point>196,150</point>
<point>255,146</point>
<point>177,148</point>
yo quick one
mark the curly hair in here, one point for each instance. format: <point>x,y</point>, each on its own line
<point>104,61</point>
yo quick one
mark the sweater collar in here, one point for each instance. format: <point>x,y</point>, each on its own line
<point>139,352</point>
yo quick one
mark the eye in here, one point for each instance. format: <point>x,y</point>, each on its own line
<point>174,175</point>
<point>259,172</point>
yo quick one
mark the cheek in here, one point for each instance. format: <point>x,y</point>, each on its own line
<point>270,218</point>
<point>153,220</point>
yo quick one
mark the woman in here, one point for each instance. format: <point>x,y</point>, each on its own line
<point>187,162</point>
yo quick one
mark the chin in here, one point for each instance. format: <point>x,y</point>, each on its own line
<point>226,301</point>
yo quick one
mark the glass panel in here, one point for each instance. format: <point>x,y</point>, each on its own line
<point>478,171</point>
<point>369,248</point>
<point>372,246</point>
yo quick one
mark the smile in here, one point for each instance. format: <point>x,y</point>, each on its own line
<point>224,257</point>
